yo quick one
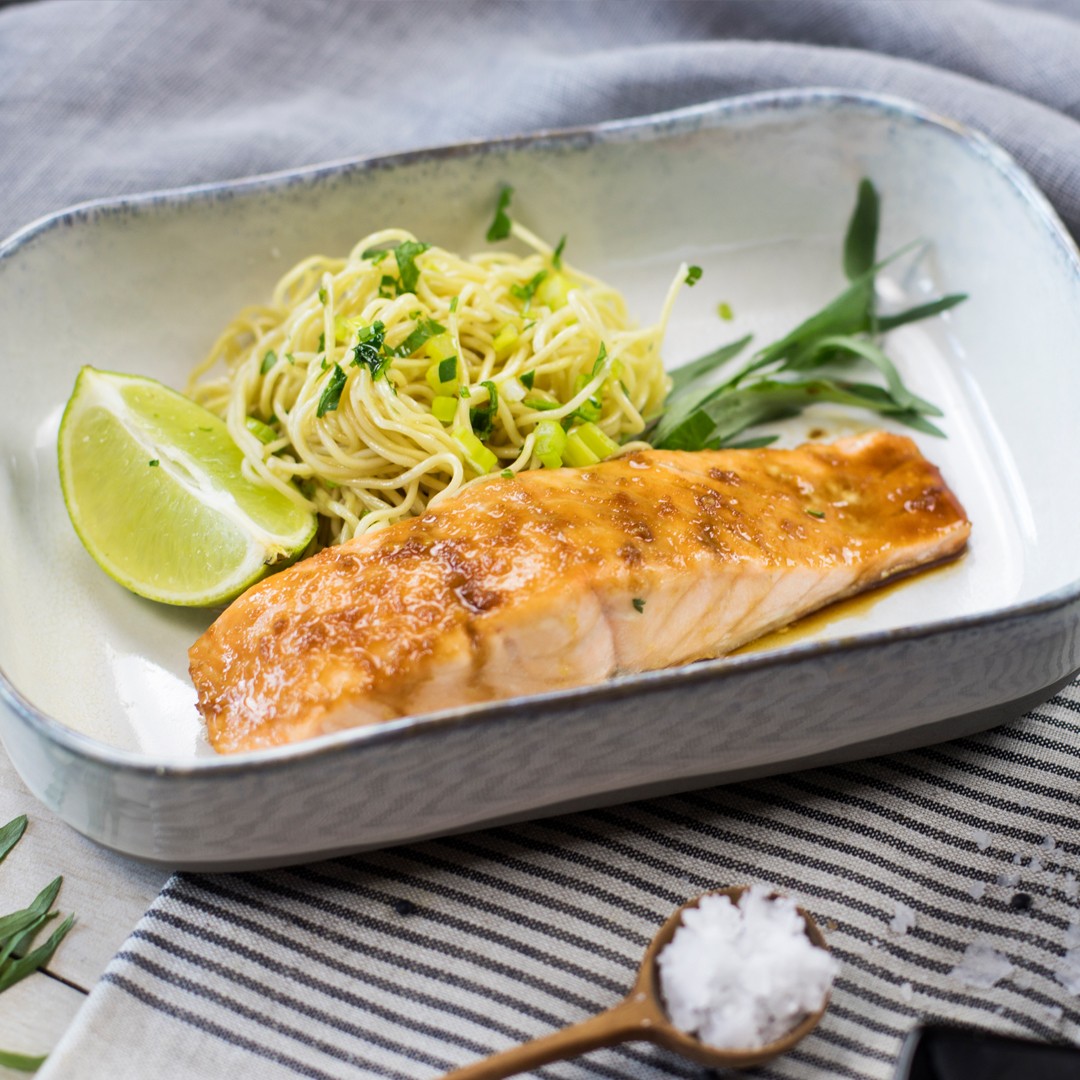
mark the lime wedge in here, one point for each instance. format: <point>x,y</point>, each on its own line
<point>153,485</point>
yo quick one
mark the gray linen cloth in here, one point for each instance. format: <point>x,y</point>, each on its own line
<point>412,961</point>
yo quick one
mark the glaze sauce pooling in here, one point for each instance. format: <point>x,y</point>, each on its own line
<point>561,578</point>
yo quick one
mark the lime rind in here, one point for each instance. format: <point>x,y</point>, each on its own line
<point>189,529</point>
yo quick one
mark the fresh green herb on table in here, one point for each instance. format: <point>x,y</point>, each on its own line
<point>18,957</point>
<point>777,381</point>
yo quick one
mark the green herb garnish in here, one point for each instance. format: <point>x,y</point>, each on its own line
<point>18,957</point>
<point>482,418</point>
<point>448,369</point>
<point>331,395</point>
<point>507,474</point>
<point>526,292</point>
<point>268,361</point>
<point>453,303</point>
<point>693,275</point>
<point>819,514</point>
<point>406,253</point>
<point>153,463</point>
<point>785,377</point>
<point>368,349</point>
<point>528,379</point>
<point>556,255</point>
<point>323,297</point>
<point>723,309</point>
<point>501,225</point>
<point>639,605</point>
<point>425,328</point>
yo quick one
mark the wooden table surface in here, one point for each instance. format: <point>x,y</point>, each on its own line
<point>108,894</point>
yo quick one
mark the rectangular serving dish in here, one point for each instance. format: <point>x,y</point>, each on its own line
<point>97,712</point>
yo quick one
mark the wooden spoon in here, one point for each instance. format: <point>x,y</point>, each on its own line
<point>641,1017</point>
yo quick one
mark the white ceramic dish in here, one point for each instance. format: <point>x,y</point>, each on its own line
<point>99,715</point>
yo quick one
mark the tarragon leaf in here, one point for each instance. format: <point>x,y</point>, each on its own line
<point>860,241</point>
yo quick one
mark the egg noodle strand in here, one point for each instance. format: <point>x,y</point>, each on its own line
<point>553,343</point>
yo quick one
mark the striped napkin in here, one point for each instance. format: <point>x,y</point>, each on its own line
<point>945,879</point>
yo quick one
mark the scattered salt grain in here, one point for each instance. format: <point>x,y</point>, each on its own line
<point>982,966</point>
<point>977,889</point>
<point>1072,935</point>
<point>740,976</point>
<point>1056,1013</point>
<point>1069,886</point>
<point>981,838</point>
<point>903,918</point>
<point>1018,859</point>
<point>1048,843</point>
<point>907,991</point>
<point>1035,865</point>
<point>1008,880</point>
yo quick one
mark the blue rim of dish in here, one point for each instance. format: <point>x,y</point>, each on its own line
<point>658,125</point>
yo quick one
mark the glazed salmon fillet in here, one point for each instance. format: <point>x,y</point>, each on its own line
<point>563,578</point>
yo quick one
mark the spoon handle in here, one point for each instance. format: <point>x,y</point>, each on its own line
<point>629,1020</point>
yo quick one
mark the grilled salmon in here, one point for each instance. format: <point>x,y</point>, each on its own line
<point>562,578</point>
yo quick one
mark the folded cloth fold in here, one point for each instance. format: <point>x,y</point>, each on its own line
<point>409,962</point>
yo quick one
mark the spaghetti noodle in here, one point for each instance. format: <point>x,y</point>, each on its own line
<point>376,385</point>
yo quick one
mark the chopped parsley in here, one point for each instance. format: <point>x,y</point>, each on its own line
<point>526,292</point>
<point>500,226</point>
<point>368,349</point>
<point>153,462</point>
<point>268,361</point>
<point>482,418</point>
<point>448,369</point>
<point>556,255</point>
<point>527,379</point>
<point>322,342</point>
<point>693,275</point>
<point>820,514</point>
<point>406,253</point>
<point>639,605</point>
<point>375,255</point>
<point>331,395</point>
<point>323,296</point>
<point>453,303</point>
<point>425,328</point>
<point>723,309</point>
<point>507,474</point>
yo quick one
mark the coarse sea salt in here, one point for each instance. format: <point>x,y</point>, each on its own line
<point>982,966</point>
<point>740,976</point>
<point>903,918</point>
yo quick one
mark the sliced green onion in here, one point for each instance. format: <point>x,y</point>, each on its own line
<point>477,455</point>
<point>577,452</point>
<point>444,408</point>
<point>505,341</point>
<point>597,440</point>
<point>263,432</point>
<point>550,443</point>
<point>268,361</point>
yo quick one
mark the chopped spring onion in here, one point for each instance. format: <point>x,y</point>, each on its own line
<point>578,453</point>
<point>550,443</point>
<point>505,341</point>
<point>444,408</point>
<point>476,454</point>
<point>263,432</point>
<point>597,440</point>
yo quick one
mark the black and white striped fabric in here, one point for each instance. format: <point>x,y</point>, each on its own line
<point>409,962</point>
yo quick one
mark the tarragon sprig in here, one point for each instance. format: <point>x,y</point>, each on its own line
<point>776,382</point>
<point>18,957</point>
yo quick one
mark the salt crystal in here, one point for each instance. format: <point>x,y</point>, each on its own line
<point>1056,1012</point>
<point>907,991</point>
<point>1072,936</point>
<point>1018,859</point>
<point>1069,886</point>
<point>903,919</point>
<point>1036,866</point>
<point>740,976</point>
<point>1048,843</point>
<point>982,966</point>
<point>1008,880</point>
<point>1067,971</point>
<point>977,889</point>
<point>981,838</point>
